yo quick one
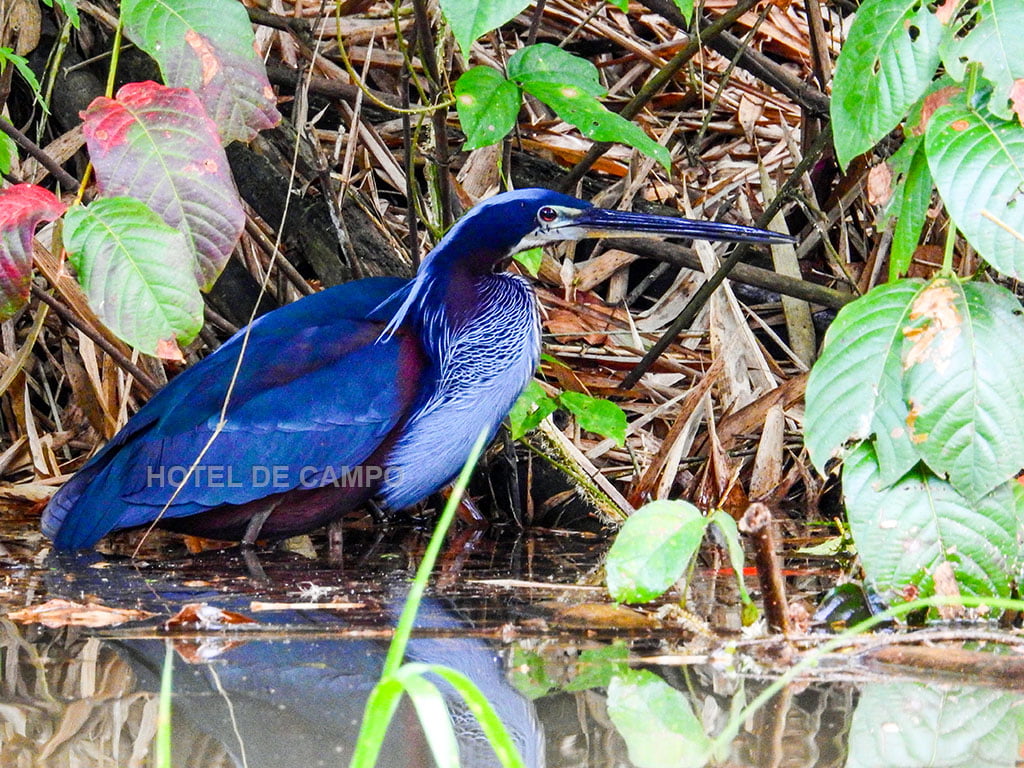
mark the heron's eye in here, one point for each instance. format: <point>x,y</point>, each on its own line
<point>547,214</point>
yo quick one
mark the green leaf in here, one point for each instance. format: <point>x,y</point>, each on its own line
<point>532,407</point>
<point>156,144</point>
<point>487,104</point>
<point>544,63</point>
<point>976,160</point>
<point>208,46</point>
<point>596,667</point>
<point>653,549</point>
<point>570,85</point>
<point>950,725</point>
<point>530,259</point>
<point>893,46</point>
<point>686,8</point>
<point>494,730</point>
<point>529,673</point>
<point>470,19</point>
<point>595,414</point>
<point>995,41</point>
<point>69,8</point>
<point>856,386</point>
<point>595,121</point>
<point>904,532</point>
<point>432,711</point>
<point>727,525</point>
<point>380,710</point>
<point>910,205</point>
<point>622,5</point>
<point>657,722</point>
<point>20,63</point>
<point>136,271</point>
<point>965,383</point>
<point>8,152</point>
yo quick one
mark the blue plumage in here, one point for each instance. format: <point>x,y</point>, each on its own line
<point>376,387</point>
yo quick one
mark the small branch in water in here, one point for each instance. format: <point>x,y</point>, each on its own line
<point>757,524</point>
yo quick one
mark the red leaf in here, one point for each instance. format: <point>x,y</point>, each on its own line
<point>157,144</point>
<point>22,207</point>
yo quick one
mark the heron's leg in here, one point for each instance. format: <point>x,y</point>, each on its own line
<point>252,530</point>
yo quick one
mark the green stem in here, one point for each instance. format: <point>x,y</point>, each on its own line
<point>163,713</point>
<point>396,652</point>
<point>947,255</point>
<point>115,55</point>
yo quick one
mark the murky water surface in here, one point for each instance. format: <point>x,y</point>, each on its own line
<point>576,682</point>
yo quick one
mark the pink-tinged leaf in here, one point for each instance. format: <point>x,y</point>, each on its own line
<point>1017,99</point>
<point>157,144</point>
<point>136,272</point>
<point>22,207</point>
<point>208,46</point>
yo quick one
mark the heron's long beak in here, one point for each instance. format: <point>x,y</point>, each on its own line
<point>601,222</point>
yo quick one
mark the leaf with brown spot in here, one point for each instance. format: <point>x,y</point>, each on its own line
<point>964,374</point>
<point>208,46</point>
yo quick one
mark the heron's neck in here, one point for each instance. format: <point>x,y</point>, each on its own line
<point>460,306</point>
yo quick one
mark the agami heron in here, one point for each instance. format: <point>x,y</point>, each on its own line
<point>375,388</point>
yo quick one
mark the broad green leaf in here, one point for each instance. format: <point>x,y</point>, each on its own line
<point>570,85</point>
<point>940,724</point>
<point>546,63</point>
<point>977,161</point>
<point>22,208</point>
<point>530,259</point>
<point>887,62</point>
<point>487,104</point>
<point>532,407</point>
<point>595,414</point>
<point>137,273</point>
<point>965,383</point>
<point>856,386</point>
<point>595,121</point>
<point>208,46</point>
<point>156,144</point>
<point>910,208</point>
<point>622,5</point>
<point>470,19</point>
<point>653,549</point>
<point>904,532</point>
<point>994,40</point>
<point>657,722</point>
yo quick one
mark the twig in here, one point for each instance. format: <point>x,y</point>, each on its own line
<point>757,525</point>
<point>66,180</point>
<point>143,379</point>
<point>748,274</point>
<point>653,86</point>
<point>693,307</point>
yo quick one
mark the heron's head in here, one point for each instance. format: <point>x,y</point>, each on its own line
<point>486,238</point>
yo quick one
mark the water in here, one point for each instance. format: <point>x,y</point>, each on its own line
<point>577,683</point>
